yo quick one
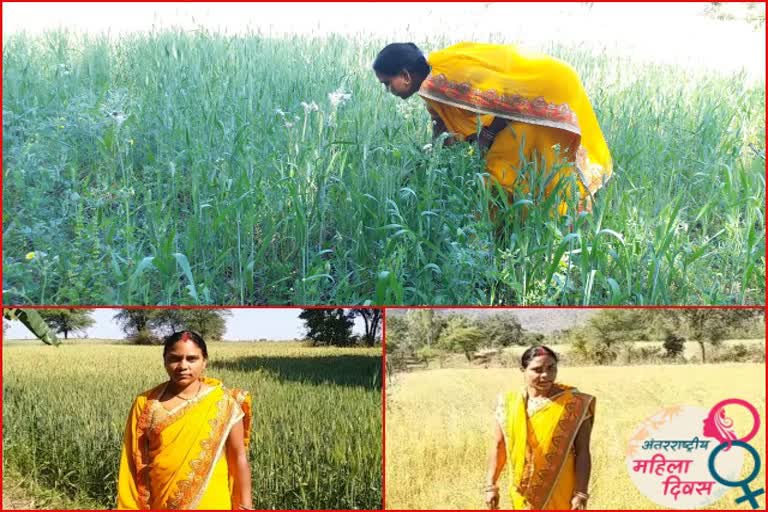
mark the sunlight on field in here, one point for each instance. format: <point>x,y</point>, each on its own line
<point>316,438</point>
<point>439,422</point>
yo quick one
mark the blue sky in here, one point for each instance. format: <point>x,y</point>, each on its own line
<point>244,324</point>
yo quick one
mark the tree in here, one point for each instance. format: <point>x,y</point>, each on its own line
<point>710,326</point>
<point>424,327</point>
<point>462,335</point>
<point>531,339</point>
<point>208,323</point>
<point>674,345</point>
<point>601,339</point>
<point>211,324</point>
<point>397,333</point>
<point>68,320</point>
<point>502,330</point>
<point>136,325</point>
<point>167,321</point>
<point>328,326</point>
<point>372,319</point>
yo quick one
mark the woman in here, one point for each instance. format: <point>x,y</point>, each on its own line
<point>186,439</point>
<point>543,432</point>
<point>529,111</point>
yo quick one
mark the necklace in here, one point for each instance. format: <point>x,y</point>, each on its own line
<point>196,394</point>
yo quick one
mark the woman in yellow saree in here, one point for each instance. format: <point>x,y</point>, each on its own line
<point>543,432</point>
<point>524,108</point>
<point>186,440</point>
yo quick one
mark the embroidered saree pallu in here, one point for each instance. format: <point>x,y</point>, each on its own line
<point>540,447</point>
<point>551,121</point>
<point>177,459</point>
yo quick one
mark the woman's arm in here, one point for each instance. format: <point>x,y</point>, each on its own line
<point>127,489</point>
<point>496,460</point>
<point>238,466</point>
<point>583,465</point>
<point>488,134</point>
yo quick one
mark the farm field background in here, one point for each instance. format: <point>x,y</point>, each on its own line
<point>177,167</point>
<point>316,438</point>
<point>439,425</point>
<point>509,357</point>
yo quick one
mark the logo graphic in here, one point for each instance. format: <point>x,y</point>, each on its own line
<point>687,457</point>
<point>719,426</point>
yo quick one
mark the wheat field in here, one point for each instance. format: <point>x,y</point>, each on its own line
<point>439,424</point>
<point>316,434</point>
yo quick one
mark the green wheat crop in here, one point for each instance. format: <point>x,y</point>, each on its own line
<point>172,167</point>
<point>316,435</point>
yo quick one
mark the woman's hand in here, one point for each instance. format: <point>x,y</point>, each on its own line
<point>237,459</point>
<point>578,502</point>
<point>487,134</point>
<point>492,499</point>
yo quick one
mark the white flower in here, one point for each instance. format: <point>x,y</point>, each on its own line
<point>280,112</point>
<point>118,117</point>
<point>310,107</point>
<point>288,125</point>
<point>339,97</point>
<point>427,147</point>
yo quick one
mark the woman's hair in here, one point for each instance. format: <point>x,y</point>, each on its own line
<point>185,336</point>
<point>396,57</point>
<point>537,350</point>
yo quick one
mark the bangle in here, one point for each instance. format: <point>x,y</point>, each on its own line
<point>581,494</point>
<point>488,133</point>
<point>491,488</point>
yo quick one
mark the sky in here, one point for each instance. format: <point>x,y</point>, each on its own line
<point>672,32</point>
<point>244,324</point>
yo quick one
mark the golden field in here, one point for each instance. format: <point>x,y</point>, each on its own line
<point>439,424</point>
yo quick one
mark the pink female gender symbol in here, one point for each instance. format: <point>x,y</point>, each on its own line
<point>717,425</point>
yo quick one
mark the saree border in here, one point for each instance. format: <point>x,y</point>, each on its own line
<point>234,418</point>
<point>508,106</point>
<point>585,400</point>
<point>141,459</point>
<point>190,490</point>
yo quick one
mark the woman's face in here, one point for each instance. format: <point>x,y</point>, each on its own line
<point>184,362</point>
<point>541,373</point>
<point>401,84</point>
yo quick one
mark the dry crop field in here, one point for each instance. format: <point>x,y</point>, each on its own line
<point>439,424</point>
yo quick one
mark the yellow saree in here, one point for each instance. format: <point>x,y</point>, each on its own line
<point>177,459</point>
<point>540,449</point>
<point>551,121</point>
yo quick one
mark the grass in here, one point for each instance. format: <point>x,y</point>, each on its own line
<point>316,438</point>
<point>438,427</point>
<point>175,168</point>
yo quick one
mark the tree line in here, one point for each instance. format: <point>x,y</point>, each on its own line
<point>141,326</point>
<point>600,339</point>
